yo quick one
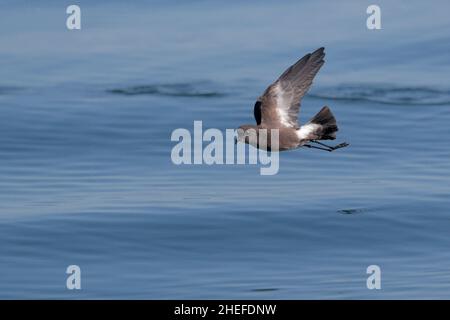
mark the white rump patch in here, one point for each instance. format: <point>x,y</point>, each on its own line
<point>307,130</point>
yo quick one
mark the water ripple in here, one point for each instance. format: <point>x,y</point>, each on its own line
<point>199,89</point>
<point>386,94</point>
<point>9,89</point>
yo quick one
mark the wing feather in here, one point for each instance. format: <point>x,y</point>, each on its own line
<point>280,103</point>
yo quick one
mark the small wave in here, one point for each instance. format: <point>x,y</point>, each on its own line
<point>9,89</point>
<point>352,211</point>
<point>174,90</point>
<point>385,94</point>
<point>264,289</point>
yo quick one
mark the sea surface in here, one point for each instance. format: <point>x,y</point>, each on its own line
<point>86,176</point>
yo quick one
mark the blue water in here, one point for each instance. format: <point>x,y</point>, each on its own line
<point>86,176</point>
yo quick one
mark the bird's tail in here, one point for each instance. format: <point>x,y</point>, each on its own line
<point>325,125</point>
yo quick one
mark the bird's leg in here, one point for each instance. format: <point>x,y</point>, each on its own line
<point>320,148</point>
<point>340,145</point>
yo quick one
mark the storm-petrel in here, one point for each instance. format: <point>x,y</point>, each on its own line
<point>279,106</point>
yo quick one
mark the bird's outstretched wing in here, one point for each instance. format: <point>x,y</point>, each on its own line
<point>279,105</point>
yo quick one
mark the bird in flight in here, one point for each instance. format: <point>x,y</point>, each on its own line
<point>279,106</point>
